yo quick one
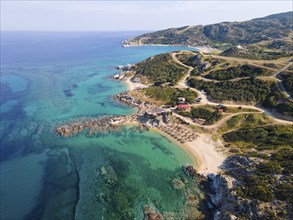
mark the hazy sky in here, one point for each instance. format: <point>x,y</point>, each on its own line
<point>129,15</point>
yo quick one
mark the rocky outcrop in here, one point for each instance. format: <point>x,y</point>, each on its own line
<point>93,126</point>
<point>226,202</point>
<point>119,76</point>
<point>220,187</point>
<point>127,99</point>
<point>237,166</point>
<point>227,205</point>
<point>128,67</point>
<point>189,170</point>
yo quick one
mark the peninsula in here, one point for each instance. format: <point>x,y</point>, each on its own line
<point>229,105</point>
<point>237,98</point>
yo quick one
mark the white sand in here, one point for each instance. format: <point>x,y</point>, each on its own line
<point>208,157</point>
<point>132,86</point>
<point>203,149</point>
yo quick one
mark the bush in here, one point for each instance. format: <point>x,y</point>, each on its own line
<point>245,90</point>
<point>160,69</point>
<point>285,158</point>
<point>261,192</point>
<point>204,113</point>
<point>237,71</point>
<point>277,135</point>
<point>257,154</point>
<point>201,113</point>
<point>271,167</point>
<point>288,82</point>
<point>170,95</point>
<point>284,192</point>
<point>285,109</point>
<point>257,188</point>
<point>189,59</point>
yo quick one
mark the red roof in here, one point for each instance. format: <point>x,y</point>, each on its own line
<point>183,106</point>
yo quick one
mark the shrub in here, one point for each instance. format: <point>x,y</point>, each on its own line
<point>160,69</point>
<point>170,95</point>
<point>271,167</point>
<point>245,90</point>
<point>284,192</point>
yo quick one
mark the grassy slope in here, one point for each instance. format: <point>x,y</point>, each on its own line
<point>224,34</point>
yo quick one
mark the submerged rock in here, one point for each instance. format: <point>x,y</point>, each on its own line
<point>189,170</point>
<point>108,174</point>
<point>178,184</point>
<point>64,131</point>
<point>151,213</point>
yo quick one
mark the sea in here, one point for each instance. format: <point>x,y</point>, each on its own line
<point>50,78</point>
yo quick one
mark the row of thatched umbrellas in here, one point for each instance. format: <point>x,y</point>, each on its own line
<point>179,132</point>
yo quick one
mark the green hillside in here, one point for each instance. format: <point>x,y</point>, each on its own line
<point>160,69</point>
<point>225,34</point>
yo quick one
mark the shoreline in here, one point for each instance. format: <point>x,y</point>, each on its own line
<point>203,150</point>
<point>132,86</point>
<point>207,159</point>
<point>201,49</point>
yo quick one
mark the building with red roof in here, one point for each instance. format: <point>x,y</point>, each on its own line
<point>183,107</point>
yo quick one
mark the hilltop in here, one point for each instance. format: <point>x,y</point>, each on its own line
<point>225,34</point>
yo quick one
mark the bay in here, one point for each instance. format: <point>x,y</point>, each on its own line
<point>48,78</point>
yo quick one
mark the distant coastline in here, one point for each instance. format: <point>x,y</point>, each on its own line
<point>202,49</point>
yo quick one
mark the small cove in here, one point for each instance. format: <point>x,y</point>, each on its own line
<point>55,84</point>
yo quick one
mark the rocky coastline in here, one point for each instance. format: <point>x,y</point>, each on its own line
<point>178,131</point>
<point>127,99</point>
<point>253,182</point>
<point>220,187</point>
<point>93,126</point>
<point>222,201</point>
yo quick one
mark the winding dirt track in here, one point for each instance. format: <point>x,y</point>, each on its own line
<point>216,125</point>
<point>182,83</point>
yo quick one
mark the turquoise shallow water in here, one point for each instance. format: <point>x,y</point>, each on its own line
<point>50,78</point>
<point>16,83</point>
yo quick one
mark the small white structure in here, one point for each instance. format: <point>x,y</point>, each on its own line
<point>239,47</point>
<point>181,99</point>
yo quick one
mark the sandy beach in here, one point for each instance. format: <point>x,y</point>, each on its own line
<point>207,159</point>
<point>202,49</point>
<point>132,86</point>
<point>205,150</point>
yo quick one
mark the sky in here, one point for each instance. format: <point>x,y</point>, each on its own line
<point>129,15</point>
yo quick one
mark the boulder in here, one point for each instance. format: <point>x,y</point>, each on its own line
<point>116,76</point>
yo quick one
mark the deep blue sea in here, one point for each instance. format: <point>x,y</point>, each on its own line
<point>44,176</point>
